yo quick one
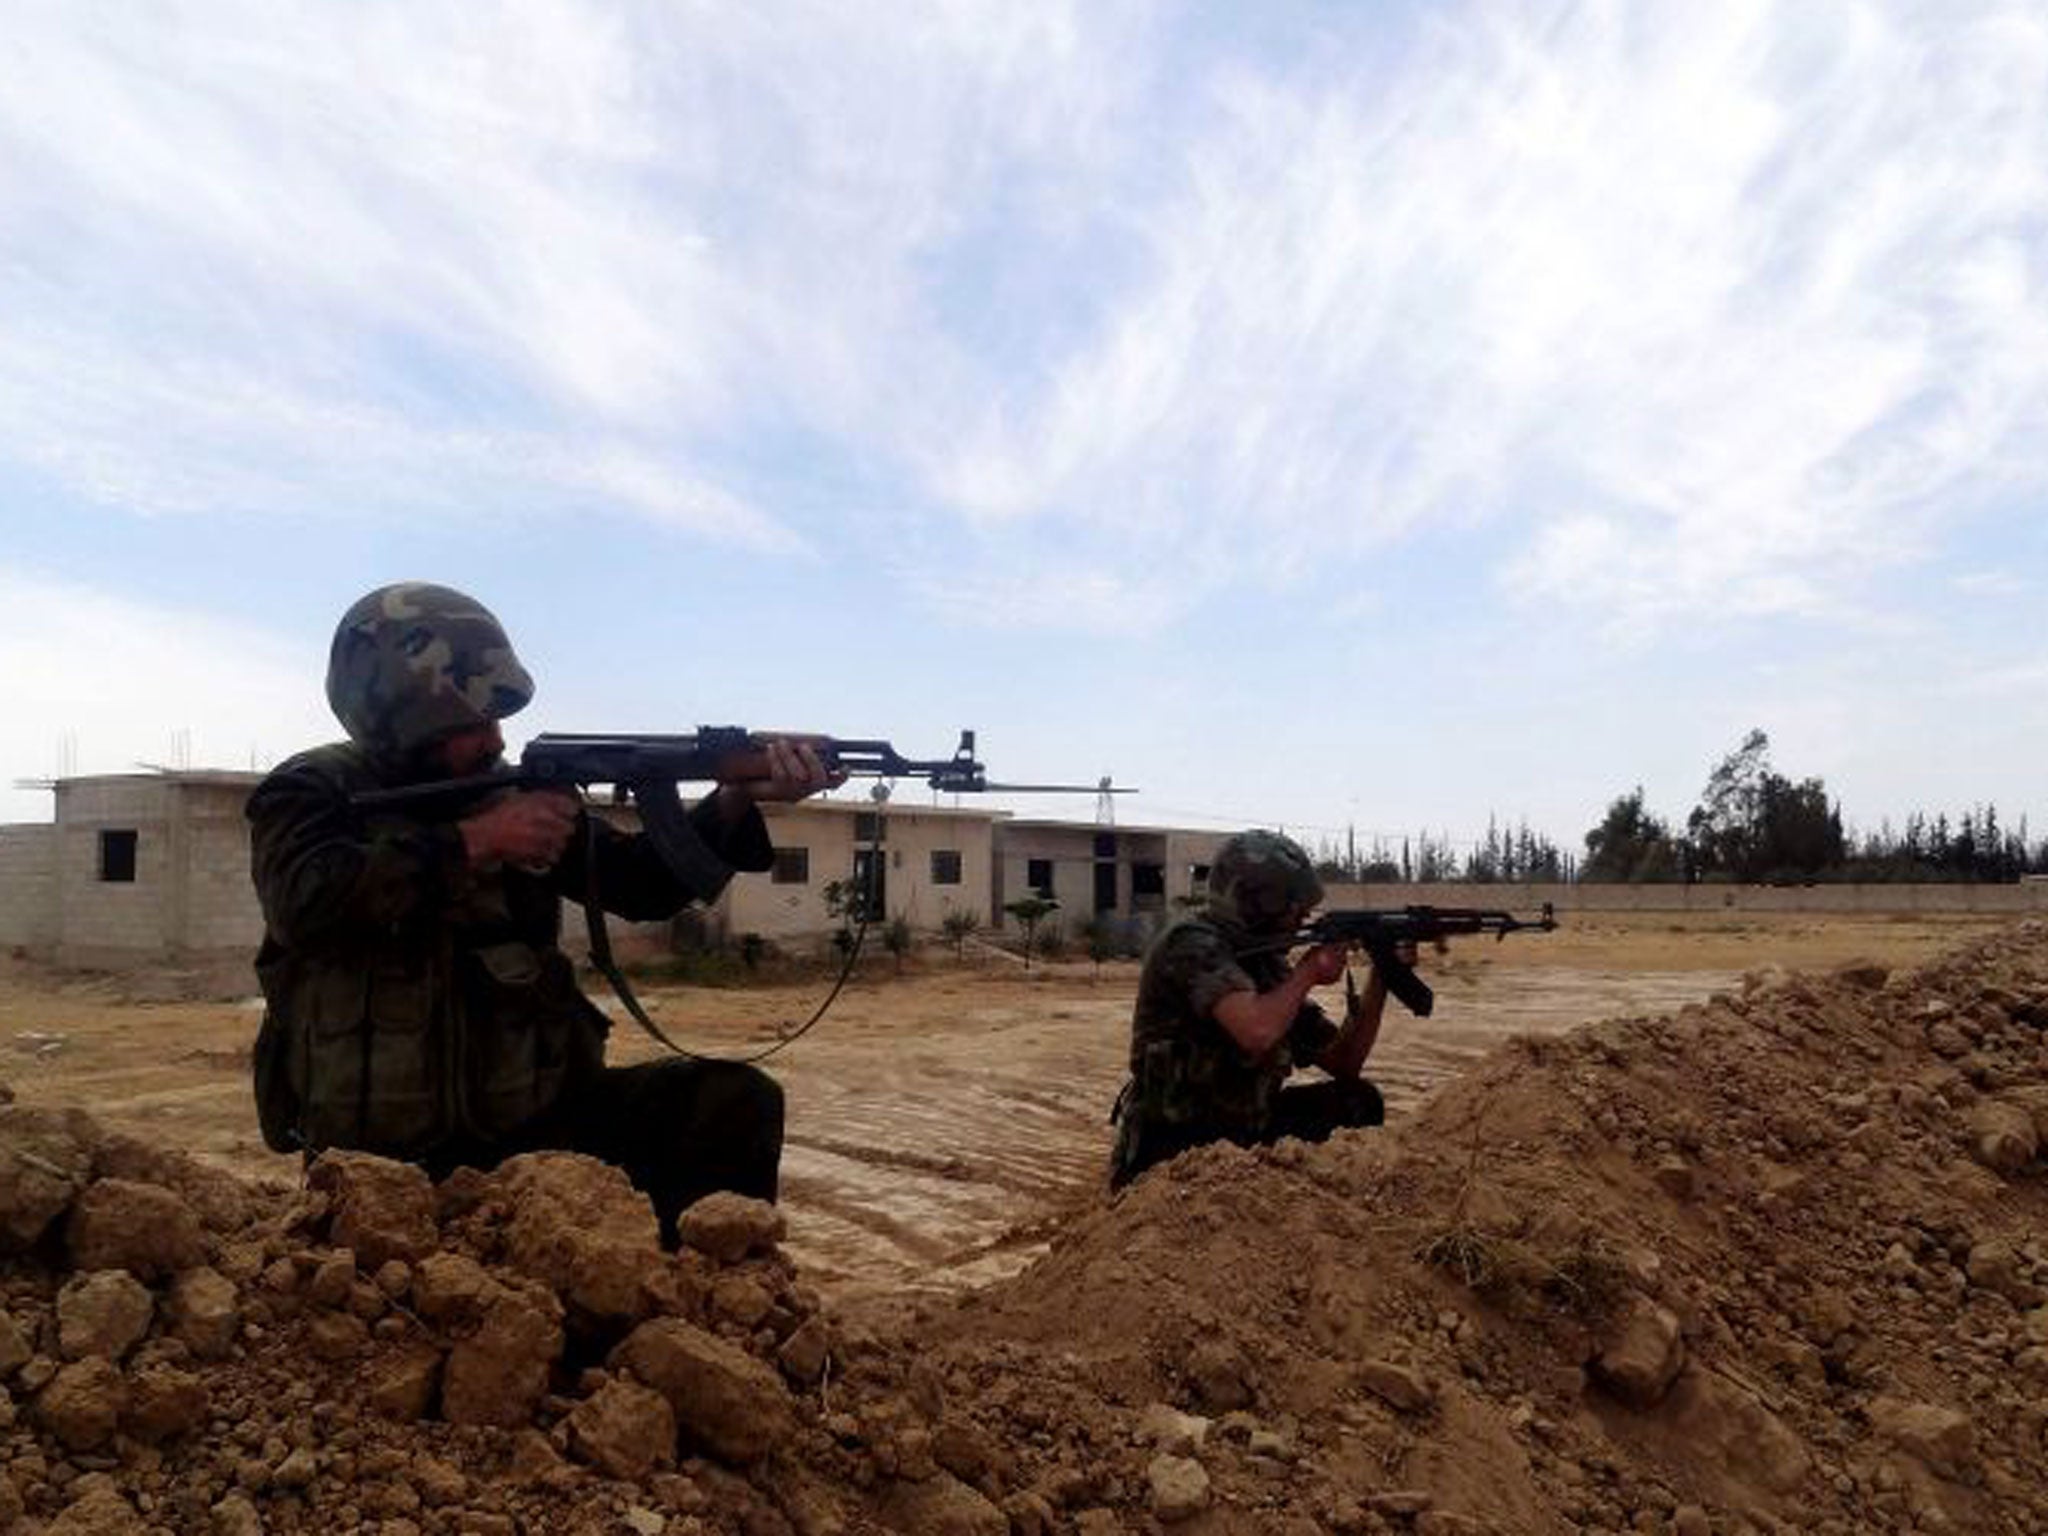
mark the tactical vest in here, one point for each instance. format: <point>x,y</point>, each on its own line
<point>403,1039</point>
<point>1196,1084</point>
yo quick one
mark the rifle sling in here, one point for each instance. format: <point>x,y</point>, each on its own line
<point>601,942</point>
<point>601,957</point>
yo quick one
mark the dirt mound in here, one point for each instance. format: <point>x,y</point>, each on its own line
<point>1775,1263</point>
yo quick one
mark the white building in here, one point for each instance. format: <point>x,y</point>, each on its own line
<point>154,867</point>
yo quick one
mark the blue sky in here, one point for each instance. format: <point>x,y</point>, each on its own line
<point>1317,414</point>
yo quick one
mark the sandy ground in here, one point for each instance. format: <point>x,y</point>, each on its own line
<point>941,1120</point>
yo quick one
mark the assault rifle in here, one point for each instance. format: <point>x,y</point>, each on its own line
<point>648,768</point>
<point>1381,934</point>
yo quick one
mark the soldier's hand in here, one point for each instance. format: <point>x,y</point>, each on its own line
<point>528,829</point>
<point>795,772</point>
<point>1324,964</point>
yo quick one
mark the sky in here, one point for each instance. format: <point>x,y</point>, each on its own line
<point>1385,417</point>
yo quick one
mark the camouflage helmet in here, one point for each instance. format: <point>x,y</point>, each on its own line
<point>1257,879</point>
<point>412,662</point>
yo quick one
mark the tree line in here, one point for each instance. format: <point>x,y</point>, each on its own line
<point>1752,824</point>
<point>1505,854</point>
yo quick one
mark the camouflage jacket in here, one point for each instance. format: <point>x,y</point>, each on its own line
<point>414,1003</point>
<point>1186,1072</point>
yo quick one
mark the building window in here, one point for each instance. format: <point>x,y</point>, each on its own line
<point>117,857</point>
<point>1148,879</point>
<point>869,826</point>
<point>792,866</point>
<point>1198,876</point>
<point>1038,875</point>
<point>945,866</point>
<point>1105,845</point>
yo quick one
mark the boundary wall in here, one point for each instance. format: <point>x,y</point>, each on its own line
<point>1903,899</point>
<point>187,897</point>
<point>28,887</point>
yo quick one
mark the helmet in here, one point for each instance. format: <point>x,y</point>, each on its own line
<point>1257,879</point>
<point>412,662</point>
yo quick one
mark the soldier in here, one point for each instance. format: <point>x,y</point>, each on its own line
<point>1222,1020</point>
<point>419,1005</point>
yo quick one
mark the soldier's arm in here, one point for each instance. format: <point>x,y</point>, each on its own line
<point>1258,1021</point>
<point>320,868</point>
<point>1345,1058</point>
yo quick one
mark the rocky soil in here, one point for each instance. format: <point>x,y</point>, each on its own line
<point>1778,1262</point>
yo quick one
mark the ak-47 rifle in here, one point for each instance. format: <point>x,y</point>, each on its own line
<point>1382,934</point>
<point>648,768</point>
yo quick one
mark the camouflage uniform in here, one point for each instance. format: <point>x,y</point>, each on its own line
<point>1190,1082</point>
<point>422,1008</point>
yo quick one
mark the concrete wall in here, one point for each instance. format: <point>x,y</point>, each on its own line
<point>104,922</point>
<point>791,911</point>
<point>221,910</point>
<point>2027,896</point>
<point>28,887</point>
<point>825,830</point>
<point>1070,850</point>
<point>190,898</point>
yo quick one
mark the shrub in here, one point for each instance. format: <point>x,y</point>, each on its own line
<point>897,939</point>
<point>1031,911</point>
<point>959,925</point>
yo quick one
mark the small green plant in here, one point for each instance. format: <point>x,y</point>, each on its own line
<point>1031,911</point>
<point>959,925</point>
<point>842,898</point>
<point>897,939</point>
<point>1102,939</point>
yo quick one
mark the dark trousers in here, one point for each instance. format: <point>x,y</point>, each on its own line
<point>679,1128</point>
<point>1307,1112</point>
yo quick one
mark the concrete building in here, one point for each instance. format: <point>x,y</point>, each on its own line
<point>1134,873</point>
<point>154,867</point>
<point>148,868</point>
<point>921,862</point>
<point>140,865</point>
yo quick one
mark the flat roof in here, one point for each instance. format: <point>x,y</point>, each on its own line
<point>1051,824</point>
<point>240,778</point>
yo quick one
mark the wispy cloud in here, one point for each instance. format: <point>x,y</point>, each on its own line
<point>2021,680</point>
<point>1998,584</point>
<point>1723,312</point>
<point>565,245</point>
<point>1704,309</point>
